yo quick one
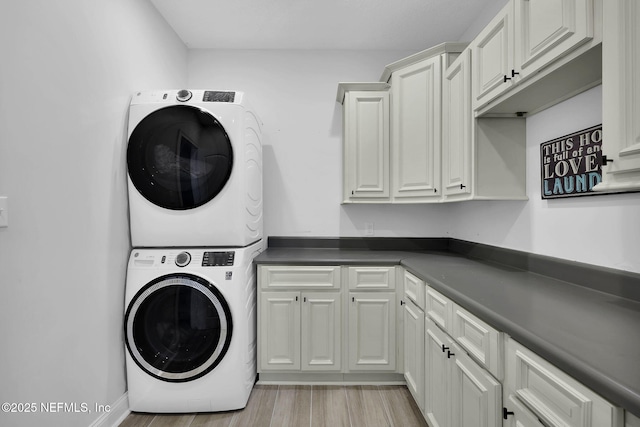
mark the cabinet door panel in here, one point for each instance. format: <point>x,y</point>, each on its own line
<point>476,396</point>
<point>367,145</point>
<point>456,128</point>
<point>437,374</point>
<point>280,331</point>
<point>414,289</point>
<point>372,336</point>
<point>372,278</point>
<point>414,351</point>
<point>547,29</point>
<point>291,276</point>
<point>321,334</point>
<point>493,58</point>
<point>416,130</point>
<point>439,309</point>
<point>552,395</point>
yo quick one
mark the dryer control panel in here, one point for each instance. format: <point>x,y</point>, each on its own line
<point>218,259</point>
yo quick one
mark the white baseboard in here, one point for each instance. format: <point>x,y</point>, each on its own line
<point>116,414</point>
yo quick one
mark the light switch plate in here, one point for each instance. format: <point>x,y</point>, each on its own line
<point>4,212</point>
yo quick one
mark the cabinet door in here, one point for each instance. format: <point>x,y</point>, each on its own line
<point>548,29</point>
<point>279,338</point>
<point>621,96</point>
<point>519,415</point>
<point>493,58</point>
<point>372,334</point>
<point>416,131</point>
<point>456,128</point>
<point>552,395</point>
<point>437,373</point>
<point>414,351</point>
<point>366,151</point>
<point>321,331</point>
<point>476,398</point>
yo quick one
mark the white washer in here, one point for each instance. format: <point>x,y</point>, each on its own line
<point>190,329</point>
<point>194,162</point>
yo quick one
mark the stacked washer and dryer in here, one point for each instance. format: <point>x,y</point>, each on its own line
<point>194,162</point>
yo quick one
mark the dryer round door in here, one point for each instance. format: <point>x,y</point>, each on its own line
<point>178,327</point>
<point>179,157</point>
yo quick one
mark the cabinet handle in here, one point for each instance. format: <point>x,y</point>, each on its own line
<point>353,192</point>
<point>435,190</point>
<point>506,413</point>
<point>304,299</point>
<point>402,302</point>
<point>606,160</point>
<point>449,354</point>
<point>462,186</point>
<point>353,299</point>
<point>514,73</point>
<point>506,78</point>
<point>444,348</point>
<point>296,298</point>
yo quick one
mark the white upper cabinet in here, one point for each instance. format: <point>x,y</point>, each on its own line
<point>493,57</point>
<point>547,29</point>
<point>456,128</point>
<point>366,142</point>
<point>540,52</point>
<point>416,130</point>
<point>621,96</point>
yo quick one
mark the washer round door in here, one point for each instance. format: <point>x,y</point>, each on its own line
<point>179,157</point>
<point>178,327</point>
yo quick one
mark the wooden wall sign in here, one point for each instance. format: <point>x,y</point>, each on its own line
<point>571,165</point>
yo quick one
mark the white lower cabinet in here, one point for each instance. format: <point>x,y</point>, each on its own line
<point>459,392</point>
<point>300,330</point>
<point>308,323</point>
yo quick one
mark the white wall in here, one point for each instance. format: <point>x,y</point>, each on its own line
<point>294,92</point>
<point>67,71</point>
<point>601,230</point>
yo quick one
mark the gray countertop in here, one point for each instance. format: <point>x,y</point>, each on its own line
<point>593,336</point>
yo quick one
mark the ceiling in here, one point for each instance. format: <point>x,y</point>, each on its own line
<point>321,24</point>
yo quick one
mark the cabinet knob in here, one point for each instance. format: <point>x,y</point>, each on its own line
<point>506,413</point>
<point>449,354</point>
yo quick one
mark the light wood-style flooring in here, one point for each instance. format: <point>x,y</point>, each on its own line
<point>298,406</point>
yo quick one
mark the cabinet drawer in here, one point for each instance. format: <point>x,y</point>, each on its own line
<point>299,277</point>
<point>439,308</point>
<point>483,342</point>
<point>553,396</point>
<point>414,289</point>
<point>361,278</point>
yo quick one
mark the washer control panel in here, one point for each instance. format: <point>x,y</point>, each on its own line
<point>218,259</point>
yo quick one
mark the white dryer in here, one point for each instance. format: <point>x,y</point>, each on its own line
<point>194,162</point>
<point>190,329</point>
